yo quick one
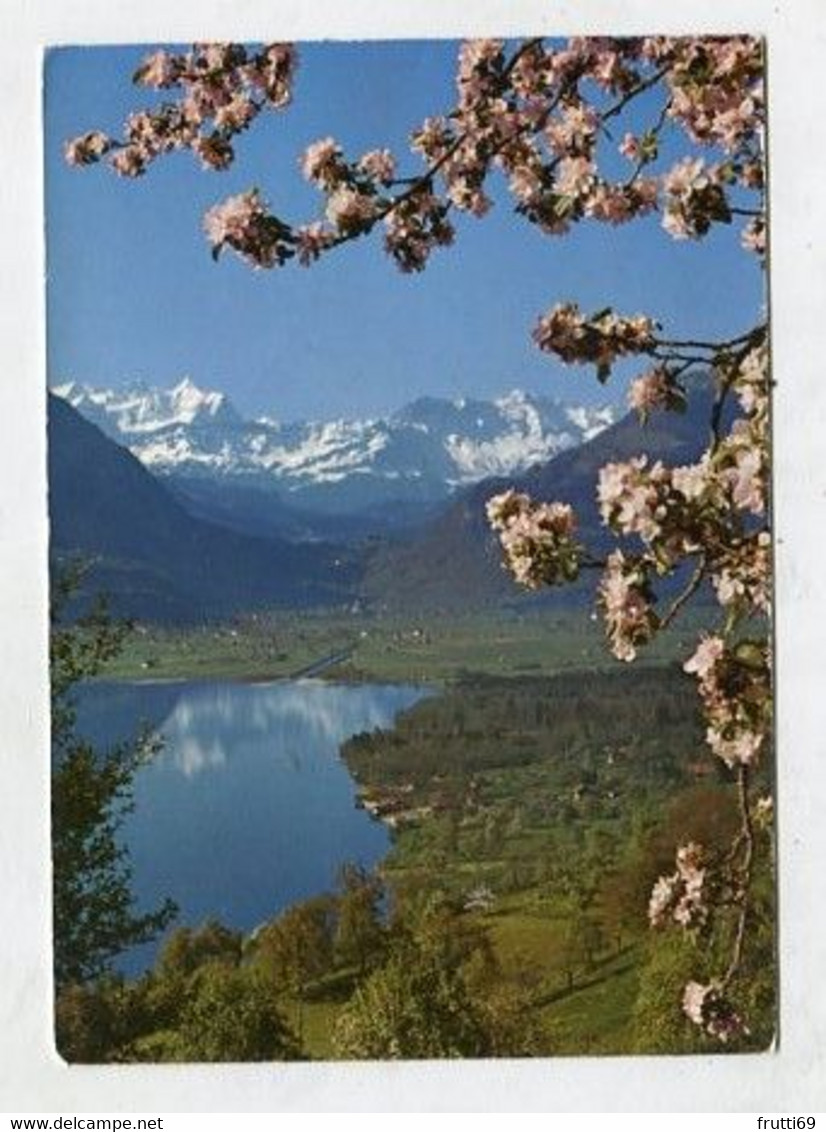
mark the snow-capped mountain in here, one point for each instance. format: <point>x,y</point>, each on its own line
<point>419,454</point>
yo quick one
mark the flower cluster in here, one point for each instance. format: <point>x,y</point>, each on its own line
<point>87,149</point>
<point>310,241</point>
<point>656,389</point>
<point>682,896</point>
<point>379,165</point>
<point>742,463</point>
<point>415,227</point>
<point>717,92</point>
<point>626,600</point>
<point>350,211</point>
<point>741,575</point>
<point>597,339</point>
<point>537,538</point>
<point>633,497</point>
<point>672,510</point>
<point>222,88</point>
<point>735,688</point>
<point>751,384</point>
<point>706,1006</point>
<point>323,164</point>
<point>694,200</point>
<point>354,194</point>
<point>533,116</point>
<point>243,223</point>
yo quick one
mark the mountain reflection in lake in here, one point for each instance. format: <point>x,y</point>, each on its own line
<point>247,808</point>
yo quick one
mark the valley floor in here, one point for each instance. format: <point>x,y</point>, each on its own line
<point>411,649</point>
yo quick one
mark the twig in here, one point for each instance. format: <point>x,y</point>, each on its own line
<point>683,597</point>
<point>747,837</point>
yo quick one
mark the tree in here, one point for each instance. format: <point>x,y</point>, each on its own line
<point>298,947</point>
<point>420,1003</point>
<point>232,1015</point>
<point>183,953</point>
<point>412,1007</point>
<point>99,1022</point>
<point>187,949</point>
<point>544,115</point>
<point>359,934</point>
<point>94,913</point>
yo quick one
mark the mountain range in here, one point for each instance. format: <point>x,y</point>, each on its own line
<point>265,476</point>
<point>162,560</point>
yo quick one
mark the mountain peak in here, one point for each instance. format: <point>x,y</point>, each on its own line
<point>190,401</point>
<point>185,385</point>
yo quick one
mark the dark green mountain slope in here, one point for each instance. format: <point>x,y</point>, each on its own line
<point>156,560</point>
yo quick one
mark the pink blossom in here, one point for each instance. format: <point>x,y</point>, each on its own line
<point>663,896</point>
<point>214,151</point>
<point>243,223</point>
<point>322,163</point>
<point>576,338</point>
<point>694,199</point>
<point>575,176</point>
<point>532,72</point>
<point>646,193</point>
<point>694,999</point>
<point>432,138</point>
<point>378,164</point>
<point>217,56</point>
<point>574,131</point>
<point>159,70</point>
<point>87,149</point>
<point>753,237</point>
<point>476,53</point>
<point>752,382</point>
<point>692,480</point>
<point>311,241</point>
<point>685,176</point>
<point>650,391</point>
<point>629,617</point>
<point>613,204</point>
<point>231,219</point>
<point>273,72</point>
<point>236,113</point>
<point>350,211</point>
<point>742,576</point>
<point>526,182</point>
<point>746,480</point>
<point>706,1007</point>
<point>705,657</point>
<point>414,227</point>
<point>632,497</point>
<point>630,147</point>
<point>537,538</point>
<point>734,685</point>
<point>740,748</point>
<point>128,162</point>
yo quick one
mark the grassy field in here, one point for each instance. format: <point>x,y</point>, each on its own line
<point>589,1017</point>
<point>384,649</point>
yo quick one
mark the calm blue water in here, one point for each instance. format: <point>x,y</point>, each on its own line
<point>248,807</point>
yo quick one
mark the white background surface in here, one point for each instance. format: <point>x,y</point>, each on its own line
<point>791,1079</point>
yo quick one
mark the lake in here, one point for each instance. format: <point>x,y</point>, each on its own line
<point>248,807</point>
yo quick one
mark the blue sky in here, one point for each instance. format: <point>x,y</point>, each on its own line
<point>133,292</point>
